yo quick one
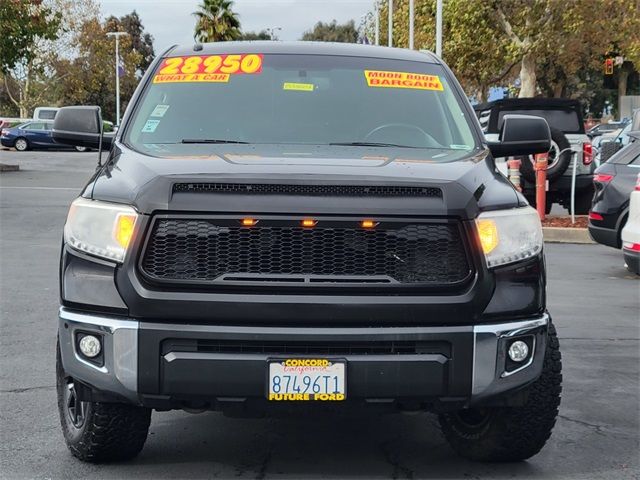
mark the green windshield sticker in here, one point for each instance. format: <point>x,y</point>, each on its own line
<point>160,110</point>
<point>150,126</point>
<point>460,147</point>
<point>298,87</point>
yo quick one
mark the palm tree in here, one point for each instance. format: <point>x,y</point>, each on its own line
<point>216,22</point>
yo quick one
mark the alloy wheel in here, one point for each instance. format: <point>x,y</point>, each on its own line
<point>21,145</point>
<point>76,409</point>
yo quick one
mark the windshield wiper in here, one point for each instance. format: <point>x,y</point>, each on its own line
<point>209,140</point>
<point>370,144</point>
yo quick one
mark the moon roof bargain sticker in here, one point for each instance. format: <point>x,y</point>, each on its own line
<point>418,81</point>
<point>207,68</point>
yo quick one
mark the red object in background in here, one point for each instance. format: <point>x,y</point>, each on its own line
<point>637,189</point>
<point>608,66</point>
<point>595,216</point>
<point>540,167</point>
<point>587,153</point>
<point>602,178</point>
<point>632,246</point>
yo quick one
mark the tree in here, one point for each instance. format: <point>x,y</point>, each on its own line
<point>34,80</point>
<point>141,41</point>
<point>216,22</point>
<point>332,32</point>
<point>22,24</point>
<point>261,35</point>
<point>469,28</point>
<point>90,77</point>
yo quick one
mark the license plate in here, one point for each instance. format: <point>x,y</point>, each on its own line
<point>307,379</point>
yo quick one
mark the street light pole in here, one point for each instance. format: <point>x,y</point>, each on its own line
<point>272,32</point>
<point>377,24</point>
<point>439,28</point>
<point>391,23</point>
<point>410,24</point>
<point>117,35</point>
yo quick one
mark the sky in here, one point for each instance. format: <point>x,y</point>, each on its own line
<point>171,22</point>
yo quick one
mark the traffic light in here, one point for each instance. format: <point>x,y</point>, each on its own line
<point>608,66</point>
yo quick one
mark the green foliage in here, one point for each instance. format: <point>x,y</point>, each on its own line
<point>216,22</point>
<point>261,35</point>
<point>22,24</point>
<point>141,41</point>
<point>332,32</point>
<point>558,46</point>
<point>90,78</point>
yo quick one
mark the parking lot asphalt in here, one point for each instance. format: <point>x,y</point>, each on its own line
<point>594,301</point>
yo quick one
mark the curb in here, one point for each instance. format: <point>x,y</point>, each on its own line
<point>9,168</point>
<point>566,235</point>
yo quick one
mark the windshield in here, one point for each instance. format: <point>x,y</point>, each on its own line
<point>299,99</point>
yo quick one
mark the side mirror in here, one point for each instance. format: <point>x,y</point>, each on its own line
<point>80,126</point>
<point>522,135</point>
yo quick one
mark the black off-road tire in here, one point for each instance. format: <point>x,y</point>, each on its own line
<point>107,431</point>
<point>548,204</point>
<point>555,168</point>
<point>509,434</point>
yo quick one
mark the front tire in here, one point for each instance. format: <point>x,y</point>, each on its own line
<point>508,434</point>
<point>99,432</point>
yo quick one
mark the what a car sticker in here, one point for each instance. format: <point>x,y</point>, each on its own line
<point>418,81</point>
<point>207,68</point>
<point>298,87</point>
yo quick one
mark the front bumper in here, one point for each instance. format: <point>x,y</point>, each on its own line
<point>160,365</point>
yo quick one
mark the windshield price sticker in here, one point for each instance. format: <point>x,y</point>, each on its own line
<point>418,81</point>
<point>207,68</point>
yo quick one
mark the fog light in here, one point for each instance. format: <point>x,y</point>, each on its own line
<point>518,351</point>
<point>90,346</point>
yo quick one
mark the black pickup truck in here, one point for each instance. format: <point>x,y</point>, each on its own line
<point>281,226</point>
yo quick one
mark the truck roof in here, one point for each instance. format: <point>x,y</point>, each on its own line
<point>537,102</point>
<point>303,48</point>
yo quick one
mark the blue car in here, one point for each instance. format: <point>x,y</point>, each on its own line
<point>34,135</point>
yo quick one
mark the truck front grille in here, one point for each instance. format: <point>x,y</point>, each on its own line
<point>309,190</point>
<point>219,250</point>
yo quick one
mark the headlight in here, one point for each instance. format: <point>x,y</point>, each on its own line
<point>99,228</point>
<point>508,236</point>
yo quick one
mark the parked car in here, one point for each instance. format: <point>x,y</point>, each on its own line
<point>340,234</point>
<point>45,113</point>
<point>568,139</point>
<point>6,123</point>
<point>614,181</point>
<point>603,128</point>
<point>631,232</point>
<point>32,135</point>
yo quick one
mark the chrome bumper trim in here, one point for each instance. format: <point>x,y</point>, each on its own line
<point>489,356</point>
<point>119,374</point>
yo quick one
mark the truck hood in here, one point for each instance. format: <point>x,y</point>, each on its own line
<point>469,180</point>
